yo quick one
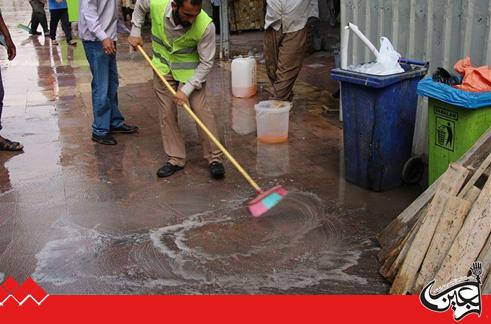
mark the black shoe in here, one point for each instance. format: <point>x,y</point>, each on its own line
<point>123,129</point>
<point>167,170</point>
<point>35,33</point>
<point>104,139</point>
<point>217,170</point>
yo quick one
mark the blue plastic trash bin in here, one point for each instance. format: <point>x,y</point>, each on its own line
<point>379,115</point>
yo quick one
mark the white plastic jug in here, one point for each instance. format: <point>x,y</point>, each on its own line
<point>244,77</point>
<point>272,118</point>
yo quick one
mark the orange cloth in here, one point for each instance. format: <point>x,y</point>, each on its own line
<point>474,79</point>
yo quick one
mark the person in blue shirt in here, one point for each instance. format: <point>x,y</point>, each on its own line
<point>58,10</point>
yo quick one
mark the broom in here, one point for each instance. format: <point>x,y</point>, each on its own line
<point>265,199</point>
<point>27,27</point>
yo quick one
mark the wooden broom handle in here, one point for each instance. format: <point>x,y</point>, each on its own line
<point>203,126</point>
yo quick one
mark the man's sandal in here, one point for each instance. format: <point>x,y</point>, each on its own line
<point>6,145</point>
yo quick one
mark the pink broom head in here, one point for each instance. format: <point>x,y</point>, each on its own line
<point>267,200</point>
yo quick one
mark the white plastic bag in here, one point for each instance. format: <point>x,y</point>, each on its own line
<point>387,61</point>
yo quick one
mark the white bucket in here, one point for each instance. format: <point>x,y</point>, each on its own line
<point>272,118</point>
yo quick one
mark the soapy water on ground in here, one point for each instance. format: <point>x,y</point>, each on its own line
<point>296,245</point>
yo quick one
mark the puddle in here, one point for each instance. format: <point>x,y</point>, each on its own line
<point>243,115</point>
<point>273,160</point>
<point>295,245</point>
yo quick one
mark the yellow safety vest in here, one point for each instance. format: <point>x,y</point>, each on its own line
<point>181,57</point>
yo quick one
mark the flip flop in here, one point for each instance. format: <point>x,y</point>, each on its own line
<point>7,145</point>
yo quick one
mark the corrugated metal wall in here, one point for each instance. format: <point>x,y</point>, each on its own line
<point>438,31</point>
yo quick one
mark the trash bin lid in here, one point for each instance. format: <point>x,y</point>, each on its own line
<point>465,99</point>
<point>376,81</point>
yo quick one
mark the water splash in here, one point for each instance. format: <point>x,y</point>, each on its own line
<point>296,245</point>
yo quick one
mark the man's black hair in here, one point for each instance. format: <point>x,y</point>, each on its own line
<point>193,2</point>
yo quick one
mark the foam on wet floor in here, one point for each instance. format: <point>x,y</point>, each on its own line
<point>295,245</point>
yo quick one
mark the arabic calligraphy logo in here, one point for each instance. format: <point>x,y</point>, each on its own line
<point>462,295</point>
<point>11,290</point>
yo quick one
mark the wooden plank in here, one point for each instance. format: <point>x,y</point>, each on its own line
<point>486,288</point>
<point>448,227</point>
<point>479,172</point>
<point>450,185</point>
<point>391,258</point>
<point>472,194</point>
<point>401,226</point>
<point>473,158</point>
<point>470,240</point>
<point>391,270</point>
<point>393,255</point>
<point>384,255</point>
<point>485,258</point>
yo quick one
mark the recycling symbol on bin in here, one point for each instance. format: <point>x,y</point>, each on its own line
<point>445,133</point>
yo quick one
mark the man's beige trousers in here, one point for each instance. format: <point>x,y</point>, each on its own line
<point>172,138</point>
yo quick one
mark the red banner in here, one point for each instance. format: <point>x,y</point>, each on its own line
<point>231,309</point>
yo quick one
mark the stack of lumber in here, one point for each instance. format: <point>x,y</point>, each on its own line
<point>246,15</point>
<point>445,229</point>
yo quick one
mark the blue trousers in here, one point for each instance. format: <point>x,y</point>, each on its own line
<point>105,85</point>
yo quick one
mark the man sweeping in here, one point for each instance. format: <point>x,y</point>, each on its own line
<point>183,46</point>
<point>285,42</point>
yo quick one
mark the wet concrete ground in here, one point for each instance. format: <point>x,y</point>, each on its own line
<point>84,218</point>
